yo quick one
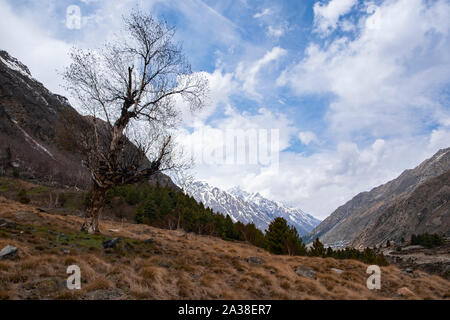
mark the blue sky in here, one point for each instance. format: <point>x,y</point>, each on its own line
<point>359,90</point>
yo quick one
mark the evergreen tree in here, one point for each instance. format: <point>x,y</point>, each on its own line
<point>294,244</point>
<point>276,236</point>
<point>317,249</point>
<point>330,252</point>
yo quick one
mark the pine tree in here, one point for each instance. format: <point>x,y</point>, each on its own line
<point>330,252</point>
<point>276,236</point>
<point>317,249</point>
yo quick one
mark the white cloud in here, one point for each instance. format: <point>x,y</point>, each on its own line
<point>306,137</point>
<point>275,32</point>
<point>30,44</point>
<point>221,86</point>
<point>263,13</point>
<point>248,74</point>
<point>387,80</point>
<point>40,39</point>
<point>326,15</point>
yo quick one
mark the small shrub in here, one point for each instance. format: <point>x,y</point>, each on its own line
<point>23,198</point>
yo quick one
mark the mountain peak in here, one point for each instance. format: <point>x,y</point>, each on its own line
<point>247,207</point>
<point>238,192</point>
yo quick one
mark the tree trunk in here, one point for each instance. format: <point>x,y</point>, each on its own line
<point>94,210</point>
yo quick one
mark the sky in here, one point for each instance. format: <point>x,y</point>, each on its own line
<point>357,91</point>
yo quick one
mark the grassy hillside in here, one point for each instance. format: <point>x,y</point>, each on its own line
<point>175,265</point>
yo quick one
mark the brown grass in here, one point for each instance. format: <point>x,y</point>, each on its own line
<point>177,266</point>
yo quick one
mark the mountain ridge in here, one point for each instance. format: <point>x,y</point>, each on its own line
<point>350,219</point>
<point>425,210</point>
<point>248,207</point>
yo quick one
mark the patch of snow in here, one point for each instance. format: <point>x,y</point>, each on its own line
<point>16,66</point>
<point>30,139</point>
<point>250,207</point>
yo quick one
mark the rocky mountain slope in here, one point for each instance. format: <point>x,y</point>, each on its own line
<point>352,218</point>
<point>426,209</point>
<point>250,207</point>
<point>37,128</point>
<point>30,118</point>
<point>151,263</point>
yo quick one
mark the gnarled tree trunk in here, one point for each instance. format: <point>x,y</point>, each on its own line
<point>94,211</point>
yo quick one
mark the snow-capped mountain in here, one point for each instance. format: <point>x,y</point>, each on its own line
<point>250,207</point>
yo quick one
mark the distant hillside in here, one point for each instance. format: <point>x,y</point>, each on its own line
<point>352,218</point>
<point>426,209</point>
<point>250,207</point>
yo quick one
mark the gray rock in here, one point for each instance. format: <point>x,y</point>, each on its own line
<point>254,260</point>
<point>305,271</point>
<point>111,243</point>
<point>9,252</point>
<point>103,295</point>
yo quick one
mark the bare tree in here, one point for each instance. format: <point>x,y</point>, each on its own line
<point>129,89</point>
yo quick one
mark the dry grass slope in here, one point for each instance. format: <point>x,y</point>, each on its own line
<point>175,266</point>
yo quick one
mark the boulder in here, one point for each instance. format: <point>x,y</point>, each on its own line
<point>9,252</point>
<point>305,271</point>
